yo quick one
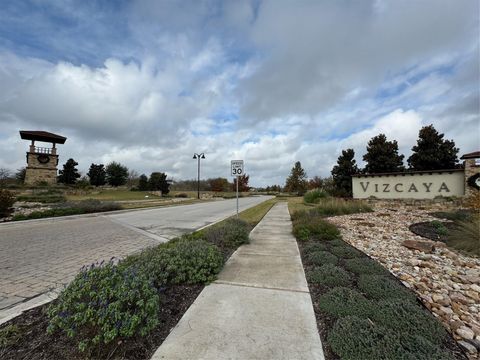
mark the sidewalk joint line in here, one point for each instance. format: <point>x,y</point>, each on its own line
<point>223,282</point>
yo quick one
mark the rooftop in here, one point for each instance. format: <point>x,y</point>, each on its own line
<point>42,136</point>
<point>472,155</point>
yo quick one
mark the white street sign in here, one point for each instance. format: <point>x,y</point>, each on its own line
<point>237,167</point>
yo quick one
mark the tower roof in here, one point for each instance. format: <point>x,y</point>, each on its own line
<point>472,155</point>
<point>42,136</point>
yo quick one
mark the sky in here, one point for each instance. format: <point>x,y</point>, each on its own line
<point>149,83</point>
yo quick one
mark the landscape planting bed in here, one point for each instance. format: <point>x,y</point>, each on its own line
<point>116,294</point>
<point>362,310</point>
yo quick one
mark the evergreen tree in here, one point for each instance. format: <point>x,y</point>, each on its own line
<point>117,174</point>
<point>20,175</point>
<point>69,174</point>
<point>343,171</point>
<point>382,156</point>
<point>297,181</point>
<point>158,182</point>
<point>97,174</point>
<point>143,182</point>
<point>432,152</point>
<point>242,183</point>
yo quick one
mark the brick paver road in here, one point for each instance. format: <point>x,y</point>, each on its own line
<point>38,256</point>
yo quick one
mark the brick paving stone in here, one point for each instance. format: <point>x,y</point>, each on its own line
<point>40,256</point>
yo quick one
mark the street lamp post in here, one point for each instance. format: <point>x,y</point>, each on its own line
<point>198,157</point>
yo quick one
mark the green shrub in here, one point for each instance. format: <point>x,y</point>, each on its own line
<point>333,207</point>
<point>439,227</point>
<point>7,199</point>
<point>342,301</point>
<point>306,228</point>
<point>192,261</point>
<point>184,260</point>
<point>465,236</point>
<point>320,258</point>
<point>457,215</point>
<point>103,304</point>
<point>364,266</point>
<point>229,234</point>
<point>313,197</point>
<point>181,195</point>
<point>353,338</point>
<point>345,251</point>
<point>313,247</point>
<point>9,335</point>
<point>381,287</point>
<point>403,316</point>
<point>330,275</point>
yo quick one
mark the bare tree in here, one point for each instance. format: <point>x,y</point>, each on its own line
<point>5,175</point>
<point>133,178</point>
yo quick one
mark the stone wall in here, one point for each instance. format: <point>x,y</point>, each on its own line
<point>410,185</point>
<point>471,169</point>
<point>38,172</point>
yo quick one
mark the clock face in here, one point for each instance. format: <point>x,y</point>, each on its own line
<point>43,158</point>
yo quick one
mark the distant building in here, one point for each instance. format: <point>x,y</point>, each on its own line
<point>42,162</point>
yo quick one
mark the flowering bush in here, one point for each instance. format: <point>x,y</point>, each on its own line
<point>105,303</point>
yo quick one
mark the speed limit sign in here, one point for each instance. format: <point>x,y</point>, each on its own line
<point>237,167</point>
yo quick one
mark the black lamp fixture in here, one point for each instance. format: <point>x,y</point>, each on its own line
<point>198,157</point>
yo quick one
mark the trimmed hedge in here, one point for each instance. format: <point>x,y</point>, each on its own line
<point>342,301</point>
<point>330,275</point>
<point>364,266</point>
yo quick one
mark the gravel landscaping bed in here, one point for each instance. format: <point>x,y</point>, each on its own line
<point>446,281</point>
<point>363,311</point>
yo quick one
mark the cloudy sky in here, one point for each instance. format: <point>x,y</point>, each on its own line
<point>148,83</point>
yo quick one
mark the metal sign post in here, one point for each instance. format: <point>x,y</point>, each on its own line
<point>237,171</point>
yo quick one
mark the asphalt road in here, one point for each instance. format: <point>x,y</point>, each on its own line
<point>41,255</point>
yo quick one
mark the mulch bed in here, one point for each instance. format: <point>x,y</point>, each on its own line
<point>429,231</point>
<point>35,343</point>
<point>326,322</point>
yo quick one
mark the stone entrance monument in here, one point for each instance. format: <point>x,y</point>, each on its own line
<point>42,161</point>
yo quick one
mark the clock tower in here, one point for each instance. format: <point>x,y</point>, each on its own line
<point>42,162</point>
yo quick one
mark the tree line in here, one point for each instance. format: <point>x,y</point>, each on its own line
<point>431,152</point>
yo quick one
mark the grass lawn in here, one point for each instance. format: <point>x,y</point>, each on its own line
<point>253,215</point>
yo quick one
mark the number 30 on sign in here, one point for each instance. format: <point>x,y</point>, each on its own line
<point>237,167</point>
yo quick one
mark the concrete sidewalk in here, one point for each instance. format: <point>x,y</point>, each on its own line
<point>259,308</point>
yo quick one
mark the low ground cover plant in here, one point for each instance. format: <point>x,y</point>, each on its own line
<point>330,275</point>
<point>365,312</point>
<point>320,258</point>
